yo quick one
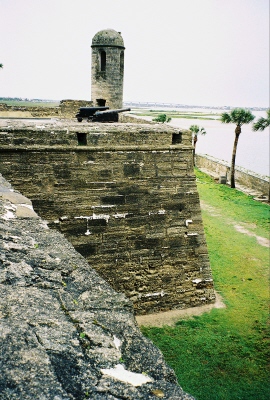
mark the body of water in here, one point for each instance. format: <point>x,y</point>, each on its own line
<point>253,147</point>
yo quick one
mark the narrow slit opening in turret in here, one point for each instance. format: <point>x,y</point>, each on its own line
<point>102,60</point>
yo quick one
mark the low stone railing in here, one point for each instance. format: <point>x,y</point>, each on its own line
<point>220,168</point>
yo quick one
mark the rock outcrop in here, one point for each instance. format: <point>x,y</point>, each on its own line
<point>65,333</point>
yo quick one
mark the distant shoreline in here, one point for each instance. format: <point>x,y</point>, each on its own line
<point>143,104</point>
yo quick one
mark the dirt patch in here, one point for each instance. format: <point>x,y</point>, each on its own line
<point>261,240</point>
<point>172,316</point>
<point>240,228</point>
<point>212,210</point>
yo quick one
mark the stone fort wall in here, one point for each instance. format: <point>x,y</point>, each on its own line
<point>125,196</point>
<point>65,333</point>
<point>249,180</point>
<point>66,109</point>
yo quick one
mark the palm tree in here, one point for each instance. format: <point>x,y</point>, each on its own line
<point>196,130</point>
<point>262,123</point>
<point>238,116</point>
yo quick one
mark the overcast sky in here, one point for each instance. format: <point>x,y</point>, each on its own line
<point>196,52</point>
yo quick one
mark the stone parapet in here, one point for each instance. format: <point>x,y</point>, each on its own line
<point>69,108</point>
<point>65,333</point>
<point>66,109</point>
<point>109,135</point>
<point>8,111</point>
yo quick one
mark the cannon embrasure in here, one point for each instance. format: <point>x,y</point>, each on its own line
<point>108,115</point>
<point>88,112</point>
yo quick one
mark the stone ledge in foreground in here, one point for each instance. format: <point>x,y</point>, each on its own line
<point>65,333</point>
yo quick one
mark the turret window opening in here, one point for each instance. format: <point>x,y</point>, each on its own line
<point>177,138</point>
<point>102,56</point>
<point>121,62</point>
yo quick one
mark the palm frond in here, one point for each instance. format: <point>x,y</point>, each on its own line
<point>262,123</point>
<point>226,118</point>
<point>238,116</point>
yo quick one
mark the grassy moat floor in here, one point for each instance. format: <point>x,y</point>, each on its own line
<point>224,354</point>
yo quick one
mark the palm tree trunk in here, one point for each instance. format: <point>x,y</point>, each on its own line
<point>237,134</point>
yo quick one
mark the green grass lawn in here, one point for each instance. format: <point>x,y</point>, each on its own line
<point>222,355</point>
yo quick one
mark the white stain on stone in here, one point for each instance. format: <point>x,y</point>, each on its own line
<point>161,211</point>
<point>188,221</point>
<point>9,215</point>
<point>198,280</point>
<point>88,162</point>
<point>10,209</point>
<point>119,215</point>
<point>101,216</point>
<point>104,206</point>
<point>155,294</point>
<point>95,216</point>
<point>64,218</point>
<point>123,375</point>
<point>117,342</point>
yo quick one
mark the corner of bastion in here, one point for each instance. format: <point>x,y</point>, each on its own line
<point>126,199</point>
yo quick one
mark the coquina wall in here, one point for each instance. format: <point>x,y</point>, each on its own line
<point>125,196</point>
<point>65,333</point>
<point>66,109</point>
<point>244,177</point>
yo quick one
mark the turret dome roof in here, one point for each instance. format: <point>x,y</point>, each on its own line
<point>108,37</point>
